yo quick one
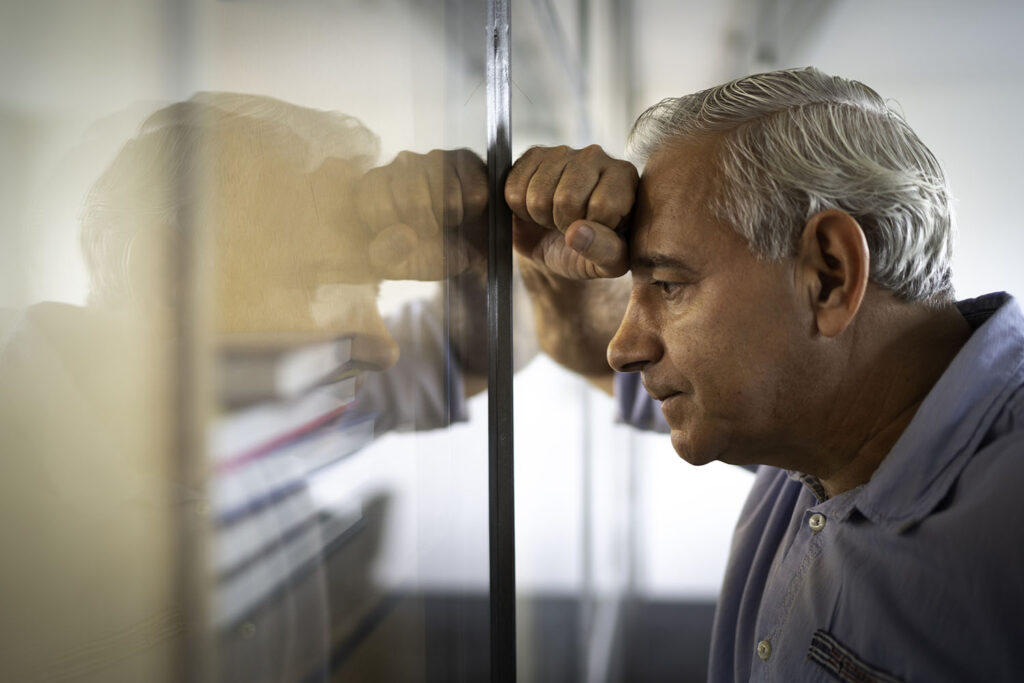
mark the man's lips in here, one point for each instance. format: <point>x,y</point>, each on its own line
<point>659,393</point>
<point>661,398</point>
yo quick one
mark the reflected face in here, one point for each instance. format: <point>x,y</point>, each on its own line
<point>285,240</point>
<point>716,333</point>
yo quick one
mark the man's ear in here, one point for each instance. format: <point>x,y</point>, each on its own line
<point>835,264</point>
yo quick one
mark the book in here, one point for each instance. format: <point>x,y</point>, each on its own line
<point>288,420</point>
<point>263,458</point>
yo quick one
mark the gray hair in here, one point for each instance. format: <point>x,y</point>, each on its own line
<point>793,143</point>
<point>160,173</point>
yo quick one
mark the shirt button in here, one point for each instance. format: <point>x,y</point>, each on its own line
<point>816,522</point>
<point>764,649</point>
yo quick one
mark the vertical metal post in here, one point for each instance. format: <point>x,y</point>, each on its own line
<point>499,329</point>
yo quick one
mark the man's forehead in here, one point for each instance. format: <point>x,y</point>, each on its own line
<point>681,169</point>
<point>663,243</point>
<point>674,226</point>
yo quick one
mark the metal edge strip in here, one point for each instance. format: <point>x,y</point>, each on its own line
<point>499,329</point>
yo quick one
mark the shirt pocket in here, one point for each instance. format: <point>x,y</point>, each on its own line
<point>842,663</point>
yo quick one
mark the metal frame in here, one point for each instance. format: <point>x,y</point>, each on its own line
<point>499,331</point>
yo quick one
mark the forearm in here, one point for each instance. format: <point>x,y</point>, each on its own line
<point>576,319</point>
<point>465,296</point>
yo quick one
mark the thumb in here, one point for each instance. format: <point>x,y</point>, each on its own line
<point>600,245</point>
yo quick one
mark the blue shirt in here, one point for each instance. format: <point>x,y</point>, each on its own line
<point>917,575</point>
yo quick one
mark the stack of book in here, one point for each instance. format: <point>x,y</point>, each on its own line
<point>289,416</point>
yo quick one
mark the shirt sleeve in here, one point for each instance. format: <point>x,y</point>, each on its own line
<point>424,390</point>
<point>635,407</point>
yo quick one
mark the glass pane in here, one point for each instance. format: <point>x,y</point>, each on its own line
<point>242,306</point>
<point>570,562</point>
<point>612,586</point>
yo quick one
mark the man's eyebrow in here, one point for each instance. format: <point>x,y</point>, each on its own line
<point>651,261</point>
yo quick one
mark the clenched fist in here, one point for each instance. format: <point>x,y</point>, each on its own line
<point>571,207</point>
<point>426,214</point>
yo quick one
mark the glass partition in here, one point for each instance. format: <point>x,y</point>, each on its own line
<point>243,272</point>
<point>573,478</point>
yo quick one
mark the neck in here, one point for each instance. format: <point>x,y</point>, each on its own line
<point>896,356</point>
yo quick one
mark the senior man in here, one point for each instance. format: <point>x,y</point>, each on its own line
<point>791,307</point>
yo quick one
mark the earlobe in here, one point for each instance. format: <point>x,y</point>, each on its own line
<point>836,265</point>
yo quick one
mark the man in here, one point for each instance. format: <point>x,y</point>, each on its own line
<point>791,307</point>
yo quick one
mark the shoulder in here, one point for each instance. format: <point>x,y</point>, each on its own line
<point>996,447</point>
<point>995,471</point>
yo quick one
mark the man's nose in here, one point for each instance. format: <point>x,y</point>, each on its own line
<point>636,343</point>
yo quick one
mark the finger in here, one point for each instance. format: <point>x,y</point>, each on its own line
<point>540,194</point>
<point>411,192</point>
<point>600,245</point>
<point>571,198</point>
<point>518,180</point>
<point>375,203</point>
<point>613,198</point>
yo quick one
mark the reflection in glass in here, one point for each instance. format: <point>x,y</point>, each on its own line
<point>240,323</point>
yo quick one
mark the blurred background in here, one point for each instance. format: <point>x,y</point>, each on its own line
<point>159,527</point>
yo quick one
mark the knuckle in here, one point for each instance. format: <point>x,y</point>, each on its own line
<point>471,165</point>
<point>610,207</point>
<point>514,195</point>
<point>593,153</point>
<point>631,172</point>
<point>436,158</point>
<point>416,206</point>
<point>539,204</point>
<point>600,206</point>
<point>475,195</point>
<point>531,154</point>
<point>566,202</point>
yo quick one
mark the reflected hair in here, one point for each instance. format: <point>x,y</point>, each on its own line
<point>157,179</point>
<point>792,143</point>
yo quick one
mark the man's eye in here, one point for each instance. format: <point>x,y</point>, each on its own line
<point>668,289</point>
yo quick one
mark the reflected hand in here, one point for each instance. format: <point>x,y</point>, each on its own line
<point>570,206</point>
<point>426,215</point>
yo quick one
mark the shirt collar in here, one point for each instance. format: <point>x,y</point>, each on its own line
<point>951,421</point>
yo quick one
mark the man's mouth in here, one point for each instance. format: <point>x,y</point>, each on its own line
<point>659,393</point>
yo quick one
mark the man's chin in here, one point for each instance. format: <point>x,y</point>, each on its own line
<point>686,450</point>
